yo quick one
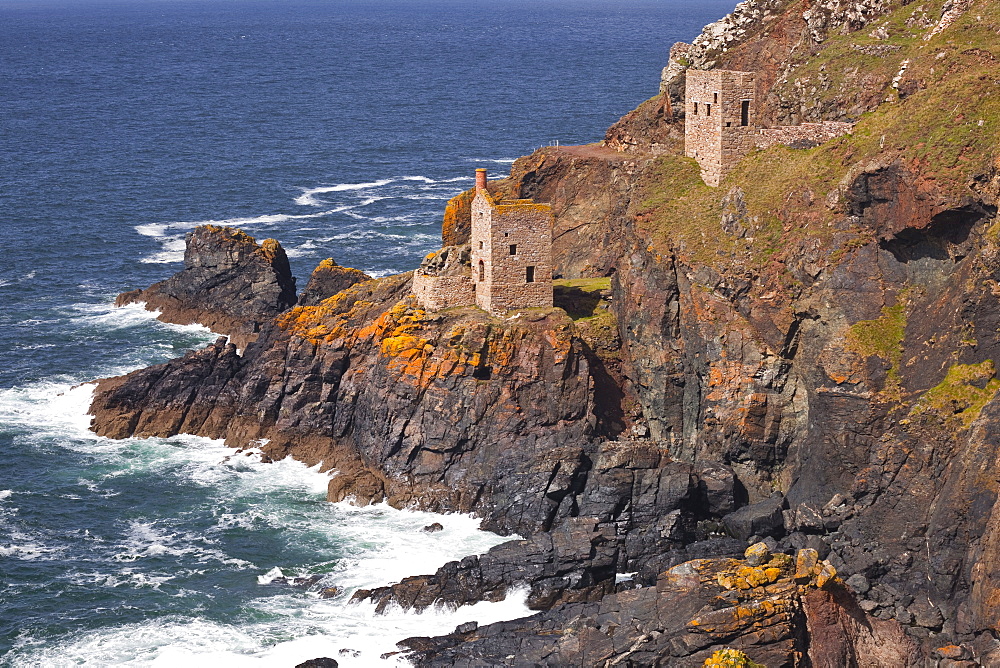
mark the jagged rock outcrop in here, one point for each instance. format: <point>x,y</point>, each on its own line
<point>433,409</point>
<point>230,283</point>
<point>764,607</point>
<point>327,279</point>
<point>612,507</point>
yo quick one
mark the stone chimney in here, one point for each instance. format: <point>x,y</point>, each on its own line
<point>481,179</point>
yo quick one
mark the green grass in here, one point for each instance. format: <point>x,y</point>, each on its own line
<point>882,337</point>
<point>961,396</point>
<point>946,131</point>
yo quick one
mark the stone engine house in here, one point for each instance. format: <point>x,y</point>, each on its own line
<point>507,266</point>
<point>719,120</point>
<point>720,123</point>
<point>511,252</point>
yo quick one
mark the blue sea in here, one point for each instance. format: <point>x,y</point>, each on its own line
<point>340,128</point>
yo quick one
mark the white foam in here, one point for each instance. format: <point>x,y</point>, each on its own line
<point>109,317</point>
<point>145,539</point>
<point>305,628</point>
<point>174,244</point>
<point>384,545</point>
<point>270,576</point>
<point>5,493</point>
<point>380,273</point>
<point>126,578</point>
<point>152,229</point>
<point>29,548</point>
<point>49,405</point>
<point>307,198</point>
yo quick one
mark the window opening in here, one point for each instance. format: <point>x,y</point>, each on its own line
<point>482,271</point>
<point>708,110</point>
<point>513,249</point>
<point>529,274</point>
<point>715,98</point>
<point>696,108</point>
<point>480,245</point>
<point>745,112</point>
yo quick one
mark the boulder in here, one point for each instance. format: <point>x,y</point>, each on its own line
<point>761,519</point>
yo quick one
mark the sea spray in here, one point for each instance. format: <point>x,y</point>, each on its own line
<point>200,550</point>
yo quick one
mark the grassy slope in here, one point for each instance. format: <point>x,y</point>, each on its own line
<point>946,130</point>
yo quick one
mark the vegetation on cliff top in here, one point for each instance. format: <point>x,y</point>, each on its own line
<point>940,119</point>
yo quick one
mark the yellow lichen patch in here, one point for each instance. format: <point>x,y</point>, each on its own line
<point>232,232</point>
<point>754,576</point>
<point>826,575</point>
<point>806,561</point>
<point>325,322</point>
<point>782,562</point>
<point>730,658</point>
<point>772,574</point>
<point>269,248</point>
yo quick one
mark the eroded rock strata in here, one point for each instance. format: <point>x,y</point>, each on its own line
<point>230,284</point>
<point>804,358</point>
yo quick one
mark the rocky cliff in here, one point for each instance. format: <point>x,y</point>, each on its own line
<point>230,284</point>
<point>803,358</point>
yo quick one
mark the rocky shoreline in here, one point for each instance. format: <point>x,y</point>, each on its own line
<point>759,418</point>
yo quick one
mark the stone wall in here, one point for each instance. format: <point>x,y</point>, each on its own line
<point>806,133</point>
<point>444,279</point>
<point>508,237</point>
<point>720,123</point>
<point>439,292</point>
<point>719,131</point>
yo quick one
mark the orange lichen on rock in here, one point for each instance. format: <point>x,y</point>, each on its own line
<point>270,248</point>
<point>325,322</point>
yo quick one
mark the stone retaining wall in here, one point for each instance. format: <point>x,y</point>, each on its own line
<point>439,292</point>
<point>814,133</point>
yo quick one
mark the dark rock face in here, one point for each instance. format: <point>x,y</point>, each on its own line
<point>230,283</point>
<point>693,610</point>
<point>763,518</point>
<point>624,507</point>
<point>322,662</point>
<point>390,396</point>
<point>327,279</point>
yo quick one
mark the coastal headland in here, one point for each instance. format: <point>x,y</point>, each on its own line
<point>760,416</point>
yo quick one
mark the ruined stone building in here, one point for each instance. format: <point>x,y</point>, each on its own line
<point>719,114</point>
<point>507,266</point>
<point>720,129</point>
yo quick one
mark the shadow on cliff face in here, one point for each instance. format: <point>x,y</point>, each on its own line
<point>943,238</point>
<point>577,302</point>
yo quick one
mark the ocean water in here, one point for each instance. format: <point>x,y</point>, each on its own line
<point>339,128</point>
